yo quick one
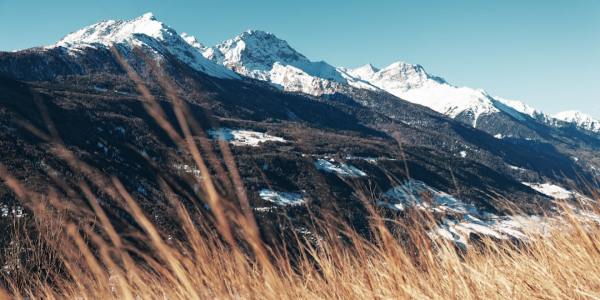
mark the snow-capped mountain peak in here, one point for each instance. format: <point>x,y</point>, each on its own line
<point>254,50</point>
<point>579,119</point>
<point>264,56</point>
<point>115,31</point>
<point>395,78</point>
<point>411,82</point>
<point>144,32</point>
<point>408,75</point>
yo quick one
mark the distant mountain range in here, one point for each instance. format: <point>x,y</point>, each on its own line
<point>263,56</point>
<point>302,132</point>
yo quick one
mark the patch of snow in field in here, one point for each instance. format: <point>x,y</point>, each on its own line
<point>187,169</point>
<point>309,235</point>
<point>342,169</point>
<point>447,232</point>
<point>281,198</point>
<point>368,159</point>
<point>264,209</point>
<point>238,137</point>
<point>15,211</point>
<point>480,228</point>
<point>506,227</point>
<point>467,222</point>
<point>418,194</point>
<point>500,228</point>
<point>516,168</point>
<point>554,191</point>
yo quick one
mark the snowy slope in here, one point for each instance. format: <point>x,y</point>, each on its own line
<point>519,106</point>
<point>415,193</point>
<point>263,56</point>
<point>413,83</point>
<point>579,119</point>
<point>192,41</point>
<point>240,137</point>
<point>281,198</point>
<point>526,110</point>
<point>339,168</point>
<point>145,32</point>
<point>556,192</point>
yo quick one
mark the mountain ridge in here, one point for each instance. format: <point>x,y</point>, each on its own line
<point>144,32</point>
<point>262,55</point>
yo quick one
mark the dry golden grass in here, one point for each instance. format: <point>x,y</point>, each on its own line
<point>560,265</point>
<point>80,253</point>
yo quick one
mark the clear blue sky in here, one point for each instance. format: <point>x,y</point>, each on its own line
<point>545,53</point>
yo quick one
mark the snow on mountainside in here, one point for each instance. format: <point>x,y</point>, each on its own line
<point>527,110</point>
<point>579,119</point>
<point>519,106</point>
<point>263,56</point>
<point>413,83</point>
<point>145,32</point>
<point>192,41</point>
